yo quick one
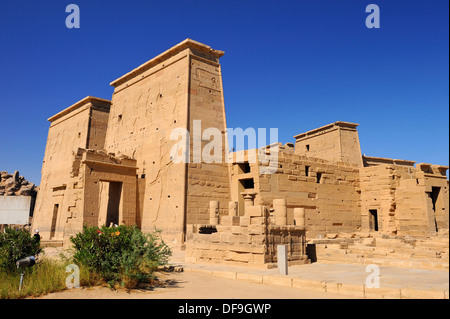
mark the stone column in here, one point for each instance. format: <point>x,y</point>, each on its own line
<point>214,212</point>
<point>280,211</point>
<point>299,217</point>
<point>233,209</point>
<point>248,200</point>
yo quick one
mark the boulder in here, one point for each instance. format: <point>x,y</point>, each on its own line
<point>10,182</point>
<point>16,177</point>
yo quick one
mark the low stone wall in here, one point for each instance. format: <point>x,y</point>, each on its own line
<point>292,236</point>
<point>245,241</point>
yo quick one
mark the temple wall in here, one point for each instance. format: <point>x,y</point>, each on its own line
<point>70,130</point>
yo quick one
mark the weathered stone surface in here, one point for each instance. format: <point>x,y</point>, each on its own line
<point>13,184</point>
<point>113,162</point>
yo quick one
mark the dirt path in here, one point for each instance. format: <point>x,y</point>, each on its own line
<point>191,285</point>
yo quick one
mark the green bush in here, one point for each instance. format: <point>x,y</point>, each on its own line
<point>16,244</point>
<point>120,254</point>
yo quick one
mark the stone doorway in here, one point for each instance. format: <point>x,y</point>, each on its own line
<point>110,203</point>
<point>54,219</point>
<point>373,220</point>
<point>437,209</point>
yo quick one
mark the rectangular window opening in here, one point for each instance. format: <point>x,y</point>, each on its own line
<point>248,183</point>
<point>244,168</point>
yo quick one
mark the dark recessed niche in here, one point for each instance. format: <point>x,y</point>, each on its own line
<point>248,183</point>
<point>318,177</point>
<point>244,168</point>
<point>207,229</point>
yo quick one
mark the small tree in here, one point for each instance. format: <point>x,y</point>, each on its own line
<point>16,244</point>
<point>120,253</point>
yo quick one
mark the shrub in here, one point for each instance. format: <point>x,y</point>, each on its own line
<point>16,244</point>
<point>120,254</point>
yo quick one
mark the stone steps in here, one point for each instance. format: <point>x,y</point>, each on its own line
<point>386,262</point>
<point>51,243</point>
<point>397,252</point>
<point>376,252</point>
<point>430,253</point>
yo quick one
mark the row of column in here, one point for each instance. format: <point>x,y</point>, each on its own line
<point>280,213</point>
<point>279,208</point>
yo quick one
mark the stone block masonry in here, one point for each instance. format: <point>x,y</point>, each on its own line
<point>112,162</point>
<point>246,241</point>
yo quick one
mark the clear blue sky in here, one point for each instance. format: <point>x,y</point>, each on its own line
<point>294,65</point>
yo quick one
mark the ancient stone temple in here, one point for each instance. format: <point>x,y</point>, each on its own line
<point>112,162</point>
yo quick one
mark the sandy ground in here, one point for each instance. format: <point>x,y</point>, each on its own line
<point>199,283</point>
<point>191,285</point>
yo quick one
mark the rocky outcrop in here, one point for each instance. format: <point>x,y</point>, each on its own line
<point>16,185</point>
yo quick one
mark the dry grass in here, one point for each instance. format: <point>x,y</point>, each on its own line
<point>48,275</point>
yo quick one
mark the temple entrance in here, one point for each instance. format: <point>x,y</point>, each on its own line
<point>114,195</point>
<point>110,203</point>
<point>437,209</point>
